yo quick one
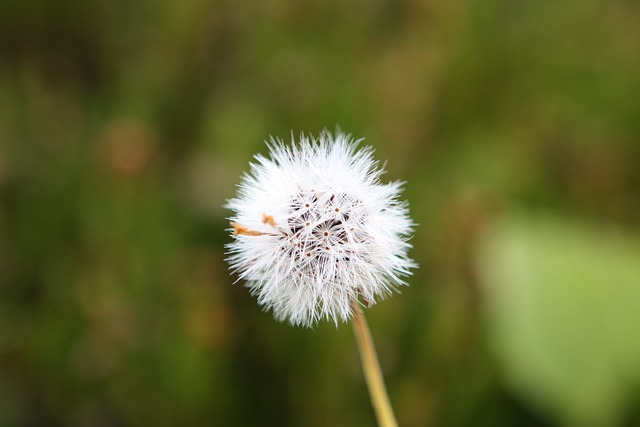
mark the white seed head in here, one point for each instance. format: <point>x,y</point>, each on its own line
<point>315,229</point>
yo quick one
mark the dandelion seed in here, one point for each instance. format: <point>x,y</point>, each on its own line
<point>315,229</point>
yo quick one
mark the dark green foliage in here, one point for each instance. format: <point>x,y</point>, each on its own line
<point>124,126</point>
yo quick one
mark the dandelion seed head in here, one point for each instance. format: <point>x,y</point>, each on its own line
<point>315,228</point>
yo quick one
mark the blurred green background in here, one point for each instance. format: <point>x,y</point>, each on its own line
<point>124,126</point>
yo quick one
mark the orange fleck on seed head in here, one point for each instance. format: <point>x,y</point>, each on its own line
<point>241,229</point>
<point>268,219</point>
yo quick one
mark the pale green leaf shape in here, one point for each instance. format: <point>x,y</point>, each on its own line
<point>562,304</point>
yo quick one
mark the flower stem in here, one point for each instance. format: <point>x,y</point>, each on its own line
<point>372,371</point>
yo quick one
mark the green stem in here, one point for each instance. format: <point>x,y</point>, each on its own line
<point>372,371</point>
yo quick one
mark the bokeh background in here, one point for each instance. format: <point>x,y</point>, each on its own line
<point>124,126</point>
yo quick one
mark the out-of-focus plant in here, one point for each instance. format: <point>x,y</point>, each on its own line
<point>562,303</point>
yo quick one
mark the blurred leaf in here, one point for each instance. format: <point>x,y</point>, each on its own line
<point>561,300</point>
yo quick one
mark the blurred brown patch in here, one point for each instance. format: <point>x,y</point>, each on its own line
<point>207,317</point>
<point>112,327</point>
<point>127,146</point>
